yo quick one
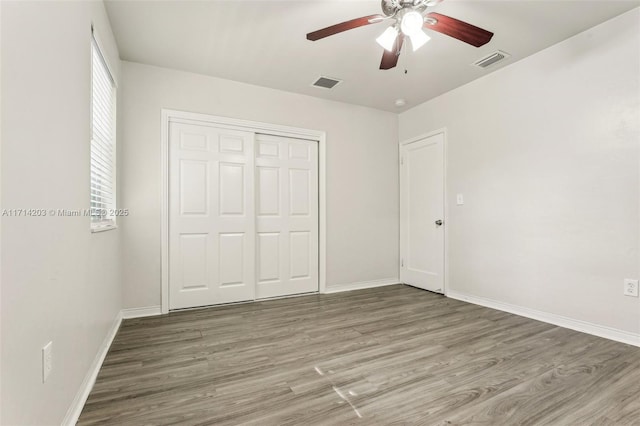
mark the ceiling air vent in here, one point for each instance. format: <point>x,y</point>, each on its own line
<point>326,82</point>
<point>493,58</point>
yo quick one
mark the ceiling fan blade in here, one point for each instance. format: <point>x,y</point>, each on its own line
<point>344,26</point>
<point>457,29</point>
<point>390,59</point>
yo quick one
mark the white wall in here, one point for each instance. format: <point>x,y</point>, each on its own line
<point>0,210</point>
<point>59,281</point>
<point>546,152</point>
<point>362,172</point>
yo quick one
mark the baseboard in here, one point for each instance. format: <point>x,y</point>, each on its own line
<point>573,324</point>
<point>85,389</point>
<point>361,285</point>
<point>71,418</point>
<point>148,311</point>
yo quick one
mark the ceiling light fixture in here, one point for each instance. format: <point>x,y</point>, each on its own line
<point>411,26</point>
<point>418,39</point>
<point>411,23</point>
<point>388,38</point>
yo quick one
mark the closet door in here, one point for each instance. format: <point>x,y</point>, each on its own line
<point>211,216</point>
<point>286,216</point>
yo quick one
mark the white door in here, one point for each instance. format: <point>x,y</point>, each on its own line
<point>211,216</point>
<point>422,213</point>
<point>287,216</point>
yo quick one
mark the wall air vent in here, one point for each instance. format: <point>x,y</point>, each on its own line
<point>491,59</point>
<point>326,82</point>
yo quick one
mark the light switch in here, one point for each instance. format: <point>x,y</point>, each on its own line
<point>459,199</point>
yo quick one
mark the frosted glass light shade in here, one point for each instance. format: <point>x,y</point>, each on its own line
<point>412,22</point>
<point>388,38</point>
<point>418,39</point>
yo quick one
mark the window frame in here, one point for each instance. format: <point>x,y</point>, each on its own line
<point>108,222</point>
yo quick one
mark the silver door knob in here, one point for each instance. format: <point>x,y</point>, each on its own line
<point>439,222</point>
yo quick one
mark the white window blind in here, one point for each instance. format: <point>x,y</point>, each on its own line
<point>103,142</point>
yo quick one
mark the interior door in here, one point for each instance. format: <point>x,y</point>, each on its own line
<point>286,216</point>
<point>211,216</point>
<point>422,213</point>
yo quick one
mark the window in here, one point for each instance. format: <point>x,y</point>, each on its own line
<point>103,143</point>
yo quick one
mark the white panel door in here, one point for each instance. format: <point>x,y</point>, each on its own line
<point>287,216</point>
<point>422,213</point>
<point>211,216</point>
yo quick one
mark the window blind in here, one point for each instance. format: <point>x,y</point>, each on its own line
<point>103,95</point>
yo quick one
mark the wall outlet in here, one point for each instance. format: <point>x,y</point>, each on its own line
<point>630,287</point>
<point>47,361</point>
<point>459,199</point>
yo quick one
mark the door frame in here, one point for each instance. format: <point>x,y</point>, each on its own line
<point>401,145</point>
<point>169,116</point>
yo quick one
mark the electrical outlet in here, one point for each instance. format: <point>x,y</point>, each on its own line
<point>630,287</point>
<point>459,199</point>
<point>47,361</point>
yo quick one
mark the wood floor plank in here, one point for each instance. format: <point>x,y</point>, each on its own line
<point>390,355</point>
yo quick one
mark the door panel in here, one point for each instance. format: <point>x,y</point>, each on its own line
<point>268,191</point>
<point>299,199</point>
<point>211,216</point>
<point>193,256</point>
<point>268,149</point>
<point>422,204</point>
<point>231,143</point>
<point>194,141</point>
<point>268,251</point>
<point>287,216</point>
<point>299,251</point>
<point>194,182</point>
<point>232,189</point>
<point>232,256</point>
<point>299,151</point>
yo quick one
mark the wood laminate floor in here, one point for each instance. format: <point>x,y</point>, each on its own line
<point>392,355</point>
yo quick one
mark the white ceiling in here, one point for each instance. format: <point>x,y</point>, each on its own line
<point>263,42</point>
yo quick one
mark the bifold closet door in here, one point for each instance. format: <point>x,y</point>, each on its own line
<point>287,216</point>
<point>211,216</point>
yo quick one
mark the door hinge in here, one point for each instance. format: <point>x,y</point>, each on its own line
<point>402,263</point>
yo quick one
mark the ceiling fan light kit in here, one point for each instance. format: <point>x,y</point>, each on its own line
<point>418,39</point>
<point>410,20</point>
<point>411,25</point>
<point>388,38</point>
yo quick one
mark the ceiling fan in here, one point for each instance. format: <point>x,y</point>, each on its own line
<point>409,20</point>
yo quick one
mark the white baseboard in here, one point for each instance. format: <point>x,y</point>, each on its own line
<point>573,324</point>
<point>71,418</point>
<point>148,311</point>
<point>361,285</point>
<point>75,410</point>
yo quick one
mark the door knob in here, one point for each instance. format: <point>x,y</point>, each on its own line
<point>439,222</point>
